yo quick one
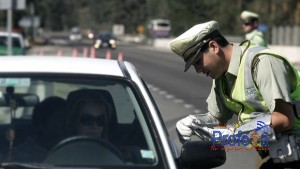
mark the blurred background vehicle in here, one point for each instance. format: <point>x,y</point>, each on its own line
<point>159,28</point>
<point>75,34</point>
<point>18,43</point>
<point>105,39</point>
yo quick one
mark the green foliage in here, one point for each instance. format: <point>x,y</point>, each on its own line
<point>100,15</point>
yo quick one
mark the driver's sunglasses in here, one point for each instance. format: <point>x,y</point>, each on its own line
<point>89,120</point>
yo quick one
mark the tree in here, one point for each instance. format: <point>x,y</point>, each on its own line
<point>59,15</point>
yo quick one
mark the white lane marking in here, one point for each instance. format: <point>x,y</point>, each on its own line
<point>188,106</point>
<point>162,92</point>
<point>197,111</point>
<point>150,86</point>
<point>155,89</point>
<point>171,97</point>
<point>178,100</point>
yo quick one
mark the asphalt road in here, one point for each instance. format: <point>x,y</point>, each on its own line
<point>177,93</point>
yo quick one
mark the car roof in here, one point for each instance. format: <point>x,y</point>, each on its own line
<point>14,34</point>
<point>60,64</point>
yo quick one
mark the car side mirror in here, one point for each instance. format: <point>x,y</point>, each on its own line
<point>202,154</point>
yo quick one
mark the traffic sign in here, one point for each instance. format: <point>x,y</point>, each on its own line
<point>12,4</point>
<point>30,21</point>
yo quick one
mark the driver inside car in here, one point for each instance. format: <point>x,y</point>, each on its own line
<point>88,115</point>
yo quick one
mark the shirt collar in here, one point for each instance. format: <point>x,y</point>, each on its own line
<point>235,60</point>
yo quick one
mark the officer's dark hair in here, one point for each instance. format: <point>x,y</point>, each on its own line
<point>221,40</point>
<point>251,20</point>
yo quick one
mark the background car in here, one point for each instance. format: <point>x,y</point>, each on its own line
<point>136,135</point>
<point>75,34</point>
<point>105,39</point>
<point>18,43</point>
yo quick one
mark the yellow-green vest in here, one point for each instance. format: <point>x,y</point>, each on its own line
<point>256,37</point>
<point>245,97</point>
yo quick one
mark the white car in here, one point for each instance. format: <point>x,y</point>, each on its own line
<point>125,128</point>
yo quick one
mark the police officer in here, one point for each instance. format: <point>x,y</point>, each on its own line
<point>251,81</point>
<point>250,27</point>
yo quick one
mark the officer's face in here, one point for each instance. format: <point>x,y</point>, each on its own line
<point>248,26</point>
<point>211,62</point>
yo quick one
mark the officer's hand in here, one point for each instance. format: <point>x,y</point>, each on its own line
<point>186,126</point>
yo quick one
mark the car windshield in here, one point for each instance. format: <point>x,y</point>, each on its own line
<point>66,120</point>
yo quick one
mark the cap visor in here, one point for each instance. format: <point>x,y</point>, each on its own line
<point>190,61</point>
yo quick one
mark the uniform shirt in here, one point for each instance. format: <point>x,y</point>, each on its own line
<point>256,37</point>
<point>270,74</point>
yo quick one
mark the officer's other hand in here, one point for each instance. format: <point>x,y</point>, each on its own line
<point>184,128</point>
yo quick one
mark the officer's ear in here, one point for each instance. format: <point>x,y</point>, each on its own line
<point>255,23</point>
<point>214,46</point>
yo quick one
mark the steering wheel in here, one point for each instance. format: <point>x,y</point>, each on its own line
<point>84,151</point>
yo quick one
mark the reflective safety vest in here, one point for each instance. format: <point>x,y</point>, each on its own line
<point>256,37</point>
<point>245,97</point>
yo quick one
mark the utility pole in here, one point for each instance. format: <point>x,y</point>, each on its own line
<point>9,27</point>
<point>32,20</point>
